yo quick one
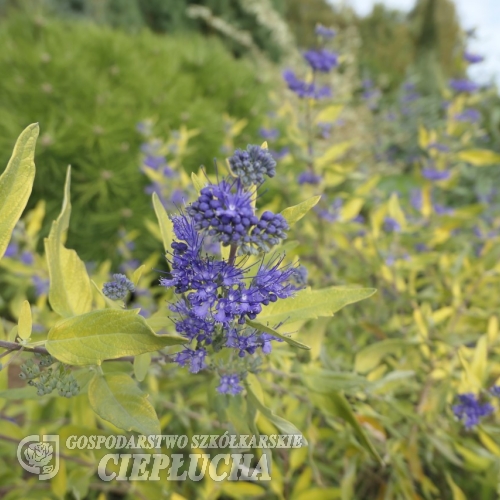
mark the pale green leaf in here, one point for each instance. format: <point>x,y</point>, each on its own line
<point>267,329</point>
<point>370,357</point>
<point>25,322</point>
<point>16,183</point>
<point>295,213</point>
<point>166,226</point>
<point>106,334</point>
<point>117,399</point>
<point>142,363</point>
<point>311,304</point>
<point>70,291</point>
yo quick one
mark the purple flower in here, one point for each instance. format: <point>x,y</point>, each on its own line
<point>309,177</point>
<point>41,285</point>
<point>155,162</point>
<point>27,258</point>
<point>194,358</point>
<point>270,134</point>
<point>332,214</point>
<point>442,210</point>
<point>435,175</point>
<point>225,213</point>
<point>473,58</point>
<point>463,85</point>
<point>416,199</point>
<point>468,115</point>
<point>391,225</point>
<point>325,129</point>
<point>230,384</point>
<point>321,60</point>
<point>470,410</point>
<point>303,89</point>
<point>325,32</point>
<point>279,155</point>
<point>11,250</point>
<point>495,390</point>
<point>442,148</point>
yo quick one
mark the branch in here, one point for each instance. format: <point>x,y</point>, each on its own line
<point>14,346</point>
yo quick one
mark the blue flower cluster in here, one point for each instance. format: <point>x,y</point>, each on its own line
<point>218,296</point>
<point>321,60</point>
<point>303,89</point>
<point>464,85</point>
<point>118,288</point>
<point>471,410</point>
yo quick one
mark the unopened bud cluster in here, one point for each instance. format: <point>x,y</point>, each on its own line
<point>46,381</point>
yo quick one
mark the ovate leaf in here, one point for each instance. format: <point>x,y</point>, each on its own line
<point>311,304</point>
<point>117,399</point>
<point>16,183</point>
<point>70,292</point>
<point>295,213</point>
<point>166,226</point>
<point>106,334</point>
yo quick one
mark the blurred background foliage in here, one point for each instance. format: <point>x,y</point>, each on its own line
<point>89,86</point>
<point>90,70</point>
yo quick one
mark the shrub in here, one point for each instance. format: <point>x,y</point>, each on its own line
<point>89,86</point>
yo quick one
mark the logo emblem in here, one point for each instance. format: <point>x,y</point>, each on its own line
<point>39,456</point>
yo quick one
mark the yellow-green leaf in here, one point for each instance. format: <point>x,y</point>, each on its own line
<point>329,114</point>
<point>117,399</point>
<point>70,291</point>
<point>333,153</point>
<point>16,183</point>
<point>25,322</point>
<point>479,157</point>
<point>295,213</point>
<point>457,493</point>
<point>351,209</point>
<point>91,338</point>
<point>311,304</point>
<point>166,226</point>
